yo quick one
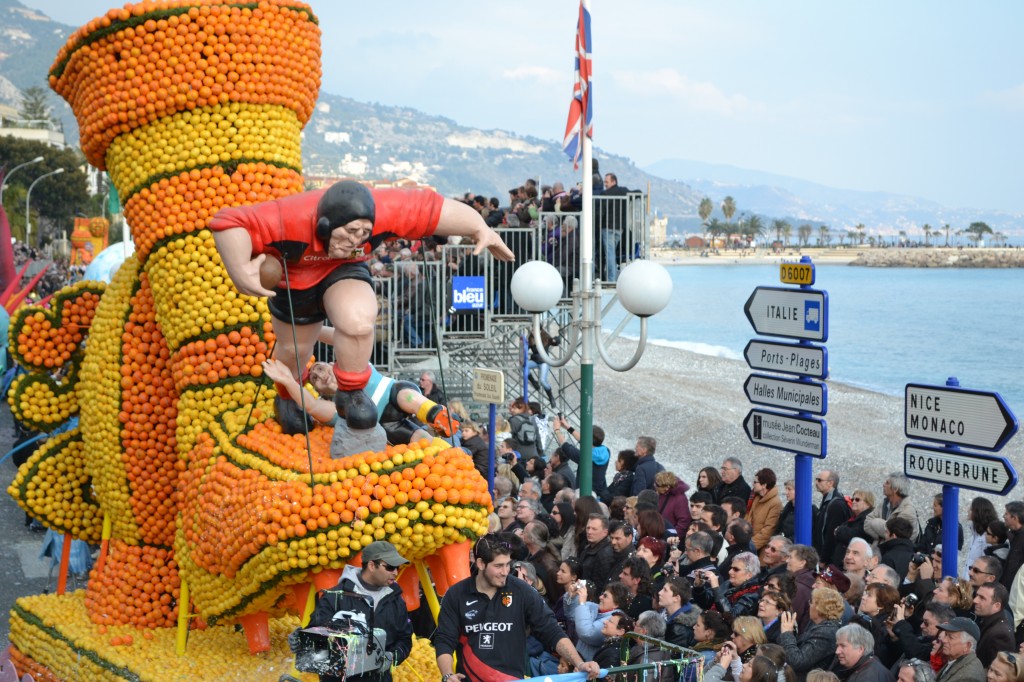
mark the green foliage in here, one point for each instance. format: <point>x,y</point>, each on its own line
<point>55,199</point>
<point>35,109</point>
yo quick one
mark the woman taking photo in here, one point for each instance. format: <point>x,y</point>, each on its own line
<point>876,606</point>
<point>747,634</point>
<point>815,647</point>
<point>710,632</point>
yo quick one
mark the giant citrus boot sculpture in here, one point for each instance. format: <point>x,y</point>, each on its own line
<point>191,108</point>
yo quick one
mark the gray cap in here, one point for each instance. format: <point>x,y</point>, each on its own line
<point>382,551</point>
<point>348,441</point>
<point>961,624</point>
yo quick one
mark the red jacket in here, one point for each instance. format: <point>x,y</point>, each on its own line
<point>675,508</point>
<point>408,214</point>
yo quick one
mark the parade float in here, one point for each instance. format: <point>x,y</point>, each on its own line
<point>214,532</point>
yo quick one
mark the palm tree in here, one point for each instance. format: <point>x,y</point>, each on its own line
<point>823,235</point>
<point>753,228</point>
<point>927,229</point>
<point>716,228</point>
<point>903,237</point>
<point>946,228</point>
<point>804,232</point>
<point>787,232</point>
<point>779,226</point>
<point>860,232</point>
<point>872,241</point>
<point>999,238</point>
<point>704,210</point>
<point>852,236</point>
<point>728,208</point>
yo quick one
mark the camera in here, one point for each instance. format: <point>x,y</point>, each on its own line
<point>910,601</point>
<point>507,458</point>
<point>668,570</point>
<point>918,559</point>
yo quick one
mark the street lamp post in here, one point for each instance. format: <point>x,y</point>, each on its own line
<point>28,225</point>
<point>644,289</point>
<point>7,176</point>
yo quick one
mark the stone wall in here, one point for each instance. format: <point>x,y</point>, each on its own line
<point>942,258</point>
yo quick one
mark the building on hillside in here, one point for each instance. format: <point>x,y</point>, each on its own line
<point>47,132</point>
<point>658,230</point>
<point>320,181</point>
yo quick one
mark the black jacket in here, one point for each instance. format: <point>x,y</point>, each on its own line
<point>833,513</point>
<point>867,669</point>
<point>848,531</point>
<point>932,535</point>
<point>738,488</point>
<point>643,474</point>
<point>1014,560</point>
<point>813,648</point>
<point>596,562</point>
<point>996,636</point>
<point>389,615</point>
<point>897,553</point>
<point>679,627</point>
<point>621,486</point>
<point>478,448</point>
<point>787,520</point>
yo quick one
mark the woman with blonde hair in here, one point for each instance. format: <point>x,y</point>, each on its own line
<point>816,646</point>
<point>747,634</point>
<point>955,592</point>
<point>1007,667</point>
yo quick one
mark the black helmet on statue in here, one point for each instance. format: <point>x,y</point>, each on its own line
<point>342,203</point>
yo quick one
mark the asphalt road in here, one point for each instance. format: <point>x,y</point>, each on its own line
<point>21,572</point>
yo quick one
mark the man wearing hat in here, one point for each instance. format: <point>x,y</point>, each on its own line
<point>324,239</point>
<point>959,640</point>
<point>370,598</point>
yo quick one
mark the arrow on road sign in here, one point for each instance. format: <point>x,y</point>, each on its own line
<point>803,396</point>
<point>792,313</point>
<point>803,435</point>
<point>788,358</point>
<point>986,473</point>
<point>958,416</point>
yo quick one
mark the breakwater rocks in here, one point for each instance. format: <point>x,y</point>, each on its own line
<point>941,258</point>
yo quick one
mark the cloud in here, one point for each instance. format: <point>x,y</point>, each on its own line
<point>540,74</point>
<point>695,95</point>
<point>1010,98</point>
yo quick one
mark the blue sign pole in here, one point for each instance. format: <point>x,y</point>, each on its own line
<point>950,513</point>
<point>802,506</point>
<point>492,418</point>
<point>803,470</point>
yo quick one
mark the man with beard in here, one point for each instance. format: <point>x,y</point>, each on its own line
<point>483,617</point>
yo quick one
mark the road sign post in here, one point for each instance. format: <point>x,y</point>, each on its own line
<point>955,417</point>
<point>489,387</point>
<point>794,313</point>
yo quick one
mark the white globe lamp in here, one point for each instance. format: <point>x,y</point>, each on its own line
<point>537,286</point>
<point>644,288</point>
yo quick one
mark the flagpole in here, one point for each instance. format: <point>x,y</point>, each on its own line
<point>585,474</point>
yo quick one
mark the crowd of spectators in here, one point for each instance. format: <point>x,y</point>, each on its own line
<point>715,568</point>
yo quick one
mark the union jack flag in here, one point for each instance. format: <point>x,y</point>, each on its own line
<point>581,110</point>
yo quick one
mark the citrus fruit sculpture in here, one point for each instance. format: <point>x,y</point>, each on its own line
<point>212,514</point>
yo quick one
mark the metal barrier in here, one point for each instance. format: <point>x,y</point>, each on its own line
<point>686,666</point>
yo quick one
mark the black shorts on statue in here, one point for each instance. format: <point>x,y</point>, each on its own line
<point>308,304</point>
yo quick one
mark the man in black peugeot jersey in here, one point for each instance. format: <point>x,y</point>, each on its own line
<point>486,619</point>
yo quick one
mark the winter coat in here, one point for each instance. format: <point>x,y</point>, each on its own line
<point>621,486</point>
<point>516,423</point>
<point>932,536</point>
<point>833,513</point>
<point>848,531</point>
<point>648,653</point>
<point>802,600</point>
<point>588,629</point>
<point>727,599</point>
<point>868,669</point>
<point>763,515</point>
<point>738,488</point>
<point>389,614</point>
<point>643,474</point>
<point>967,668</point>
<point>675,508</point>
<point>787,520</point>
<point>607,655</point>
<point>813,648</point>
<point>478,448</point>
<point>996,636</point>
<point>897,553</point>
<point>679,625</point>
<point>1014,560</point>
<point>875,523</point>
<point>596,562</point>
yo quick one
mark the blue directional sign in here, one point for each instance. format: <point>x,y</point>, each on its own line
<point>791,313</point>
<point>958,416</point>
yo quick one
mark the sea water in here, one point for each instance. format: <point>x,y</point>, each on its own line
<point>887,326</point>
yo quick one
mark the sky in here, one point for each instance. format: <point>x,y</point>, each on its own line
<point>917,97</point>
